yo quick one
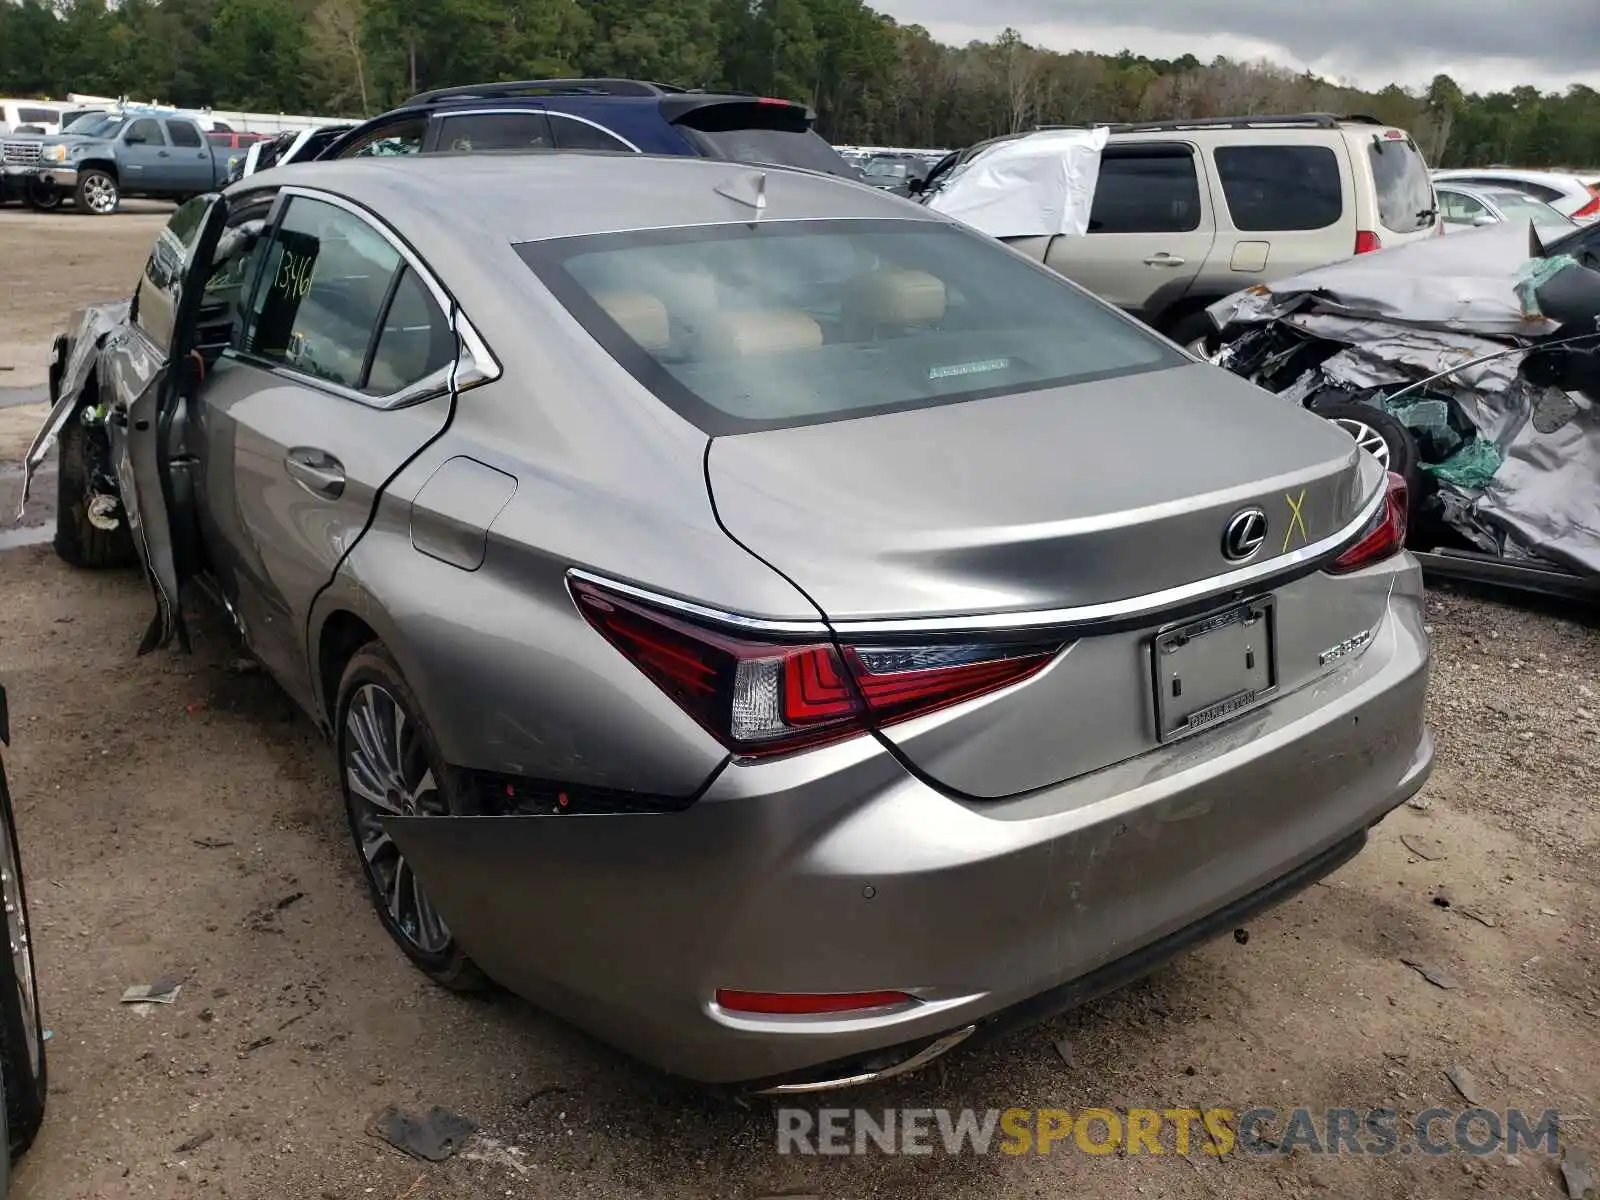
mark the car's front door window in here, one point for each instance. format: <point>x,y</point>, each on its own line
<point>145,132</point>
<point>155,301</point>
<point>1460,209</point>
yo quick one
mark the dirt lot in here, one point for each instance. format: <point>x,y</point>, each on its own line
<point>179,819</point>
<point>51,263</point>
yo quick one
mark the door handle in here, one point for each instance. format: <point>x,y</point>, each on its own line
<point>1163,260</point>
<point>161,154</point>
<point>315,470</point>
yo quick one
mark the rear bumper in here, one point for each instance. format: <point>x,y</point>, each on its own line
<point>886,1064</point>
<point>837,871</point>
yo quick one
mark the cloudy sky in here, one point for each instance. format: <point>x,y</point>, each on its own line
<point>1482,44</point>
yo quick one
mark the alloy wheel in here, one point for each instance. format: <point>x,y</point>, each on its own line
<point>16,915</point>
<point>387,774</point>
<point>43,197</point>
<point>1368,438</point>
<point>100,194</point>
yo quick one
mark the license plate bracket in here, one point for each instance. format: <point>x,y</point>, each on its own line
<point>1213,668</point>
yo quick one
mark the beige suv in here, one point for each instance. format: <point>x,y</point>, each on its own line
<point>1187,212</point>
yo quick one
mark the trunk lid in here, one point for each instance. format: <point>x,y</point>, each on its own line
<point>1061,498</point>
<point>1087,495</point>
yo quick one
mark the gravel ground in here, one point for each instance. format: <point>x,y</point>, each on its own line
<point>179,819</point>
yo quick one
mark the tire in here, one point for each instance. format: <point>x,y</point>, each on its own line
<point>78,543</point>
<point>22,1045</point>
<point>1404,460</point>
<point>1195,333</point>
<point>42,198</point>
<point>371,683</point>
<point>97,194</point>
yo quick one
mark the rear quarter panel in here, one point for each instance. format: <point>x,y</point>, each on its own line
<point>510,675</point>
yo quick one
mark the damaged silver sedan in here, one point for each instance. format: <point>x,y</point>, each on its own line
<point>767,623</point>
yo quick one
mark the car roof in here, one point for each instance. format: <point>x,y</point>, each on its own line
<point>535,195</point>
<point>1551,177</point>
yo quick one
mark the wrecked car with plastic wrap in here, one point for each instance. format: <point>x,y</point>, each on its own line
<point>747,624</point>
<point>1471,366</point>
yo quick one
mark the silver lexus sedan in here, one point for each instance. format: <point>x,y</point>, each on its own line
<point>767,623</point>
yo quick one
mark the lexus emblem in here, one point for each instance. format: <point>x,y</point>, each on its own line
<point>1245,535</point>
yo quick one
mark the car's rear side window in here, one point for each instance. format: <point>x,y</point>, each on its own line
<point>181,133</point>
<point>1146,191</point>
<point>529,130</point>
<point>1280,188</point>
<point>1405,189</point>
<point>752,326</point>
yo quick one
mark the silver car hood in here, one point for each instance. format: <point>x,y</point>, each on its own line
<point>1062,498</point>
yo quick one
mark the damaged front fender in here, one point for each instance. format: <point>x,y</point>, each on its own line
<point>74,357</point>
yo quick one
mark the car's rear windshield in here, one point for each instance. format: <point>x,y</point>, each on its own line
<point>777,147</point>
<point>1405,189</point>
<point>752,326</point>
<point>1514,206</point>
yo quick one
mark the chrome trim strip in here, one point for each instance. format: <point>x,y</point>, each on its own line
<point>920,1059</point>
<point>1134,606</point>
<point>1151,603</point>
<point>688,608</point>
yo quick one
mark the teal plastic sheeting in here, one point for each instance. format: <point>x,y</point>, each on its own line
<point>1472,466</point>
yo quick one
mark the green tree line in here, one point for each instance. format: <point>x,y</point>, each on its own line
<point>870,79</point>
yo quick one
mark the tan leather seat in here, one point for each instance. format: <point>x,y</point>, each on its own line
<point>641,316</point>
<point>893,299</point>
<point>761,331</point>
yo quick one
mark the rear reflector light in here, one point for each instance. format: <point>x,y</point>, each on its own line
<point>774,100</point>
<point>1384,536</point>
<point>1367,241</point>
<point>1591,209</point>
<point>798,1003</point>
<point>762,697</point>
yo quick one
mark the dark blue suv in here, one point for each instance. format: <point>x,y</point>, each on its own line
<point>597,114</point>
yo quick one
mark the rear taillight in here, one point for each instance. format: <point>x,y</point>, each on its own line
<point>1385,535</point>
<point>1591,209</point>
<point>1367,241</point>
<point>763,697</point>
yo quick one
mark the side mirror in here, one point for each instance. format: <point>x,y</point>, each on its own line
<point>134,139</point>
<point>1484,219</point>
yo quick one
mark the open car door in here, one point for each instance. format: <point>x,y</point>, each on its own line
<point>146,368</point>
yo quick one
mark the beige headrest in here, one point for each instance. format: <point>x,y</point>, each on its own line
<point>896,297</point>
<point>641,315</point>
<point>772,331</point>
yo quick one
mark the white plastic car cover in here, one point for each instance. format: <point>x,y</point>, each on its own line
<point>1035,186</point>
